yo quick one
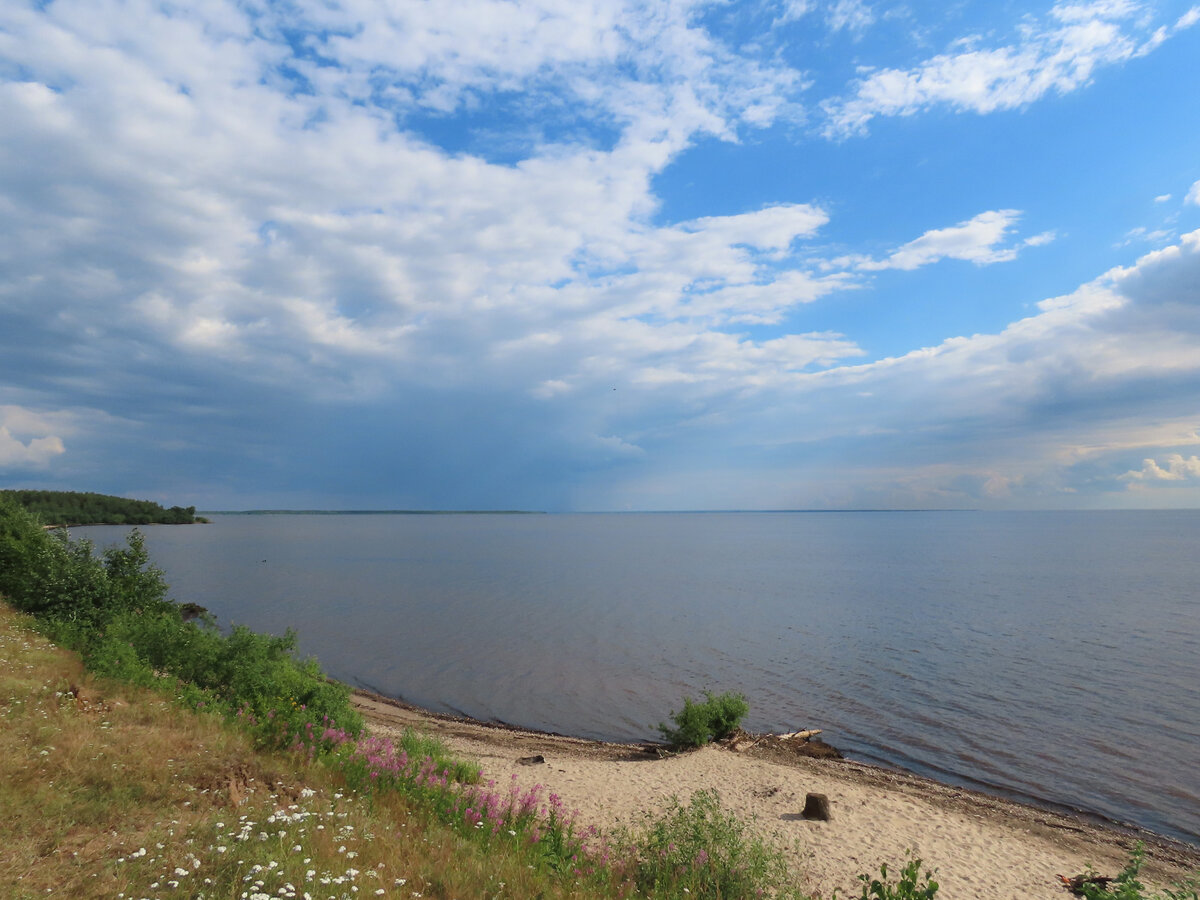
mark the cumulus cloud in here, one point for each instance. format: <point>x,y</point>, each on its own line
<point>1176,468</point>
<point>250,240</point>
<point>980,240</point>
<point>1058,56</point>
<point>1193,195</point>
<point>26,439</point>
<point>974,240</point>
<point>36,453</point>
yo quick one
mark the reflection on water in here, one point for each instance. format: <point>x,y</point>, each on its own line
<point>1051,656</point>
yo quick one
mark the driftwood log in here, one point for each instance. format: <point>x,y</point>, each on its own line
<point>1077,884</point>
<point>800,735</point>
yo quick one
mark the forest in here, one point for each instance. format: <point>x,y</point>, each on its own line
<point>80,508</point>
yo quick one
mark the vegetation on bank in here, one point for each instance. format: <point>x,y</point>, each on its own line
<point>114,791</point>
<point>79,508</point>
<point>698,723</point>
<point>1127,885</point>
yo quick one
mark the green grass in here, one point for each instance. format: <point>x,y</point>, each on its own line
<point>89,779</point>
<point>698,850</point>
<point>911,884</point>
<point>1126,885</point>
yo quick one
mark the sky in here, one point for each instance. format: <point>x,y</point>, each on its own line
<point>602,255</point>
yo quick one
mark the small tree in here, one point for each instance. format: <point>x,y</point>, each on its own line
<point>698,723</point>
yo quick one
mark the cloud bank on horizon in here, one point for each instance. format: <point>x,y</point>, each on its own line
<point>602,254</point>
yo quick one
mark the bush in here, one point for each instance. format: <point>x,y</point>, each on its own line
<point>52,577</point>
<point>911,885</point>
<point>699,850</point>
<point>1126,886</point>
<point>113,609</point>
<point>698,723</point>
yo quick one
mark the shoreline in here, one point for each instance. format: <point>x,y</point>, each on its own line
<point>982,845</point>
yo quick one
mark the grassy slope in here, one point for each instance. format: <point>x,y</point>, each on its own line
<point>93,773</point>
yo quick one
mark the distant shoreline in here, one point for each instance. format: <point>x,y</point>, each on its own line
<point>373,512</point>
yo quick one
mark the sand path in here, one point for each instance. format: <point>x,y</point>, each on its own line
<point>982,847</point>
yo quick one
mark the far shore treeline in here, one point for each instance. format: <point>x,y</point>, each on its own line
<point>80,508</point>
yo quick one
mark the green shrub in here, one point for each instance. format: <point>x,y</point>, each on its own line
<point>698,723</point>
<point>1126,886</point>
<point>911,885</point>
<point>113,609</point>
<point>699,850</point>
<point>52,577</point>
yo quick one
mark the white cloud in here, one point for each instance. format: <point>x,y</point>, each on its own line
<point>36,453</point>
<point>467,54</point>
<point>1162,198</point>
<point>1193,195</point>
<point>792,11</point>
<point>979,240</point>
<point>1176,468</point>
<point>1053,405</point>
<point>1188,19</point>
<point>974,240</point>
<point>1146,235</point>
<point>26,438</point>
<point>215,242</point>
<point>853,15</point>
<point>1056,58</point>
<point>772,228</point>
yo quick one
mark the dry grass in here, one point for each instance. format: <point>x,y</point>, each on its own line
<point>109,791</point>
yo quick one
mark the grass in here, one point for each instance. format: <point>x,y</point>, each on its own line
<point>1126,885</point>
<point>698,849</point>
<point>111,790</point>
<point>123,791</point>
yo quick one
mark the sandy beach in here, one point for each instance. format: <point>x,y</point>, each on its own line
<point>981,846</point>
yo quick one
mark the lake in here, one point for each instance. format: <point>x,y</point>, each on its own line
<point>1052,657</point>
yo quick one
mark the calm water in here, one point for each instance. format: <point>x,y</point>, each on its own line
<point>1054,657</point>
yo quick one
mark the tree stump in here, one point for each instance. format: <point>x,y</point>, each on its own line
<point>816,807</point>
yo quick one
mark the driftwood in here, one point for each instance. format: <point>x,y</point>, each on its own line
<point>1077,884</point>
<point>800,735</point>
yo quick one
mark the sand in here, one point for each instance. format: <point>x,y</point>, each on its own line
<point>982,847</point>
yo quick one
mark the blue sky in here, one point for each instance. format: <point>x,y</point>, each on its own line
<point>601,255</point>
